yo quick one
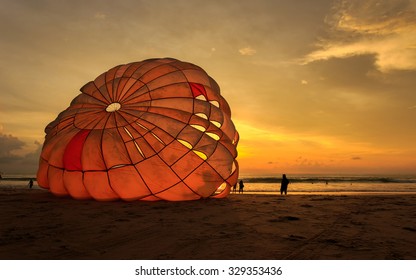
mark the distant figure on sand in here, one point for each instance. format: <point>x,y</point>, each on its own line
<point>30,183</point>
<point>235,188</point>
<point>283,186</point>
<point>240,190</point>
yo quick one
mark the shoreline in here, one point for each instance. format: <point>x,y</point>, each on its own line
<point>342,193</point>
<point>38,225</point>
<point>265,193</point>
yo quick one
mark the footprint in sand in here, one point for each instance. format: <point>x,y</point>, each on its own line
<point>284,219</point>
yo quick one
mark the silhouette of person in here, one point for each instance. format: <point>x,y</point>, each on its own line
<point>240,190</point>
<point>30,183</point>
<point>284,184</point>
<point>235,188</point>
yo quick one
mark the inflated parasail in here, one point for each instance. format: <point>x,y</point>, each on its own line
<point>158,129</point>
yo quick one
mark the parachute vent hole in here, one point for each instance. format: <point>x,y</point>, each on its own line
<point>113,107</point>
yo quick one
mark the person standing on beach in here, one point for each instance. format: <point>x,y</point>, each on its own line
<point>284,184</point>
<point>240,190</point>
<point>30,183</point>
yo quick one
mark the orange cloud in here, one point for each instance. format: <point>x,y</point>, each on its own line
<point>384,29</point>
<point>247,51</point>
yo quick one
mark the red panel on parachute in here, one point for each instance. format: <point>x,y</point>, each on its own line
<point>198,89</point>
<point>73,151</point>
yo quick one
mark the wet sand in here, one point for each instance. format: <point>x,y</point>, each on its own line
<point>37,225</point>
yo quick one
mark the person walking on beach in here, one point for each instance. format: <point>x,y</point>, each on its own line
<point>235,188</point>
<point>284,184</point>
<point>240,190</point>
<point>30,183</point>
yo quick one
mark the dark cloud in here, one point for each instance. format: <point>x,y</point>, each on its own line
<point>356,158</point>
<point>9,143</point>
<point>348,72</point>
<point>12,163</point>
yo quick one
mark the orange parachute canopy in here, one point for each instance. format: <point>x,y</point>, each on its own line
<point>158,129</point>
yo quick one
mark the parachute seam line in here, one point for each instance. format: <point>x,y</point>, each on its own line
<point>126,97</point>
<point>173,61</point>
<point>216,144</point>
<point>83,92</point>
<point>121,137</point>
<point>152,193</point>
<point>62,168</point>
<point>184,178</point>
<point>193,108</point>
<point>65,126</point>
<point>134,139</point>
<point>82,170</point>
<point>78,112</point>
<point>88,107</point>
<point>146,62</point>
<point>142,135</point>
<point>116,82</point>
<point>173,119</point>
<point>109,101</point>
<point>165,108</point>
<point>116,91</point>
<point>134,116</point>
<point>138,79</point>
<point>132,65</point>
<point>178,184</point>
<point>156,88</point>
<point>180,179</point>
<point>189,119</point>
<point>91,122</point>
<point>216,147</point>
<point>151,130</point>
<point>139,173</point>
<point>158,77</point>
<point>163,75</point>
<point>188,123</point>
<point>102,153</point>
<point>110,80</point>
<point>219,143</point>
<point>174,137</point>
<point>131,162</point>
<point>102,129</point>
<point>56,133</point>
<point>159,192</point>
<point>162,108</point>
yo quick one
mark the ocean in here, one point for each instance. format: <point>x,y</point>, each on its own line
<point>332,183</point>
<point>299,184</point>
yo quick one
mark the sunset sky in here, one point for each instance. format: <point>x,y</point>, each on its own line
<point>318,86</point>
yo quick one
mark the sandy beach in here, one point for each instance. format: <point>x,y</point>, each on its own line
<point>37,225</point>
